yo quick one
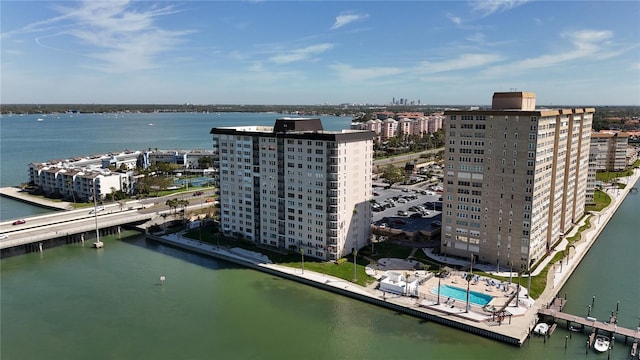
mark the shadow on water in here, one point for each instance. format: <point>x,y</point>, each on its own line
<point>182,254</point>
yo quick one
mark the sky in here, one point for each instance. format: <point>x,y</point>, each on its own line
<point>318,52</point>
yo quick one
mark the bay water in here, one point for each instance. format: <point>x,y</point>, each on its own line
<point>76,302</point>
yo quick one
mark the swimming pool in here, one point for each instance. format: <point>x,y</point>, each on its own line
<point>195,181</point>
<point>461,294</point>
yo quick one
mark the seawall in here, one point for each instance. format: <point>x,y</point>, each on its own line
<point>344,288</point>
<point>19,195</point>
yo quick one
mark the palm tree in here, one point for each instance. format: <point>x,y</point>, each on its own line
<point>73,193</point>
<point>173,204</point>
<point>183,204</point>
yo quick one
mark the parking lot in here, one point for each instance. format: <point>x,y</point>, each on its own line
<point>407,209</point>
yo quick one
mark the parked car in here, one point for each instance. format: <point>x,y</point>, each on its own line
<point>436,223</point>
<point>197,193</point>
<point>19,222</point>
<point>3,236</point>
<point>376,194</point>
<point>403,213</point>
<point>399,222</point>
<point>416,215</point>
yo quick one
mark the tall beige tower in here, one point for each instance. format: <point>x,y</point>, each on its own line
<point>515,179</point>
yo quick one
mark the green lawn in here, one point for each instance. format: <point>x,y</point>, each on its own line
<point>607,176</point>
<point>601,200</point>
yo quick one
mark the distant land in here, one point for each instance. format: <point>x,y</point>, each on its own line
<point>606,117</point>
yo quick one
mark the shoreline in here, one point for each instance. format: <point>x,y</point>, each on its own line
<point>514,331</point>
<point>15,193</point>
<point>524,314</point>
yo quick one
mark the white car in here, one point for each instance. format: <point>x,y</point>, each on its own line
<point>98,209</point>
<point>3,236</point>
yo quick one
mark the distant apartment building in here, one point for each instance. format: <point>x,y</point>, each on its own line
<point>385,126</point>
<point>73,178</point>
<point>610,150</point>
<point>515,179</point>
<point>80,185</point>
<point>295,186</point>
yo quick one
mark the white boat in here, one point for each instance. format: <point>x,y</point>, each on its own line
<point>40,119</point>
<point>541,329</point>
<point>601,344</point>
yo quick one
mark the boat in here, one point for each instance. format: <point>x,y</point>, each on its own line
<point>601,344</point>
<point>40,119</point>
<point>575,328</point>
<point>541,329</point>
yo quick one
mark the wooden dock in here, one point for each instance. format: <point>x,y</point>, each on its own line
<point>612,328</point>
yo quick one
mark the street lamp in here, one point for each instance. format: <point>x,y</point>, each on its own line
<point>468,278</point>
<point>529,280</point>
<point>302,254</point>
<point>439,277</point>
<point>355,253</point>
<point>518,291</point>
<point>466,308</point>
<point>510,271</point>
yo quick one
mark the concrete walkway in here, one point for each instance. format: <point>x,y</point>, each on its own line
<point>20,195</point>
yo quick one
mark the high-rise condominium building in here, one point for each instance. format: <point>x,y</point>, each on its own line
<point>295,186</point>
<point>515,179</point>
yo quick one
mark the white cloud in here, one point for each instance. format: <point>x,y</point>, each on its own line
<point>585,44</point>
<point>301,54</point>
<point>462,62</point>
<point>342,20</point>
<point>120,38</point>
<point>454,19</point>
<point>488,7</point>
<point>351,74</point>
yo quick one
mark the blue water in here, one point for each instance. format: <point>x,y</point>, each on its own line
<point>461,294</point>
<point>24,139</point>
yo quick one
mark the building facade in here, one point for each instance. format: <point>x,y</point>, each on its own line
<point>610,149</point>
<point>385,126</point>
<point>515,179</point>
<point>295,186</point>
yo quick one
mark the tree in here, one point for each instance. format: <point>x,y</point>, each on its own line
<point>183,204</point>
<point>205,162</point>
<point>73,193</point>
<point>394,174</point>
<point>173,204</point>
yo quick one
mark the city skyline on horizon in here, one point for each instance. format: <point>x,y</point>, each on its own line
<point>358,52</point>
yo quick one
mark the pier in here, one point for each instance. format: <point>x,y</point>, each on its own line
<point>554,311</point>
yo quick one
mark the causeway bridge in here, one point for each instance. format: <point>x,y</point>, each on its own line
<point>45,231</point>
